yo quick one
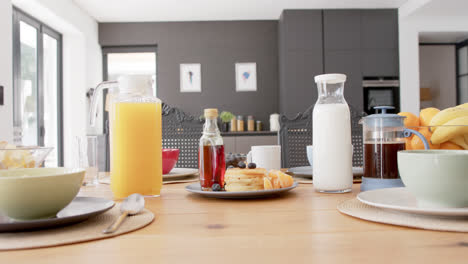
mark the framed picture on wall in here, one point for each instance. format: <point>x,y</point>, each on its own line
<point>190,78</point>
<point>246,77</point>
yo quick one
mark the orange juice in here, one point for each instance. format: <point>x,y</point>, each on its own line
<point>136,151</point>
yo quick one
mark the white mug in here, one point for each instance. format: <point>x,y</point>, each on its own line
<point>268,157</point>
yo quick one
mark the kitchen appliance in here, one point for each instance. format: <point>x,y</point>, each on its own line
<point>381,91</point>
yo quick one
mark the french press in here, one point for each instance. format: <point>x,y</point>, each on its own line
<point>383,136</point>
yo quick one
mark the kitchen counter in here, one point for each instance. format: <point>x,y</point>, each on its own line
<point>249,133</point>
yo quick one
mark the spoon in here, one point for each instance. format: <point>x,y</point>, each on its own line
<point>132,205</point>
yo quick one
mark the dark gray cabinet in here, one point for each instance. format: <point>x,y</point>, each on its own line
<point>379,29</point>
<point>347,62</point>
<point>342,50</point>
<point>380,63</point>
<point>342,29</point>
<point>379,38</point>
<point>300,59</point>
<point>359,43</point>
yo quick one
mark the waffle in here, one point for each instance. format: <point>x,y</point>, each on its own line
<point>241,180</point>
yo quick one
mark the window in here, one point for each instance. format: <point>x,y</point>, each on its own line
<point>37,82</point>
<point>462,72</point>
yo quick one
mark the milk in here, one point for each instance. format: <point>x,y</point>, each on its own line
<point>332,152</point>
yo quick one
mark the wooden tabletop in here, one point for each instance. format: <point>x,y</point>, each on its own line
<point>301,227</point>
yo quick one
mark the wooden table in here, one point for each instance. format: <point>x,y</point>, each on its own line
<point>301,227</point>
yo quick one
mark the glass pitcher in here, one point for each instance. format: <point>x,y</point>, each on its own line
<point>135,135</point>
<point>332,148</point>
<point>383,136</point>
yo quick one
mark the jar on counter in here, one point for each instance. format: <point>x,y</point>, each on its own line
<point>259,125</point>
<point>240,123</point>
<point>250,123</point>
<point>274,122</point>
<point>233,124</point>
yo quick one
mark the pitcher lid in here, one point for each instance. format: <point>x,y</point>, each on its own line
<point>134,82</point>
<point>383,119</point>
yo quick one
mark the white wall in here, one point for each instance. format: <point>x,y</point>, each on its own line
<point>6,110</point>
<point>82,62</point>
<point>437,72</point>
<point>429,18</point>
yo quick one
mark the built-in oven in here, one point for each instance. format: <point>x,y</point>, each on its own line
<point>381,91</point>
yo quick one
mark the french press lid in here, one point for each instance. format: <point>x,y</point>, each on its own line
<point>383,119</point>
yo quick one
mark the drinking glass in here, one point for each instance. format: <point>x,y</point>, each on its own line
<point>88,158</point>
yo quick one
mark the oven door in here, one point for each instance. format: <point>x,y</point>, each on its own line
<point>381,93</point>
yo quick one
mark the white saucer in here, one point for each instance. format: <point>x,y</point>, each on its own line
<point>400,199</point>
<point>180,172</point>
<point>307,171</point>
<point>175,173</point>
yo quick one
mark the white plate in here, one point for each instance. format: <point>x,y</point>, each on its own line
<point>307,171</point>
<point>80,209</point>
<point>401,199</point>
<point>180,172</point>
<point>195,188</point>
<point>175,173</point>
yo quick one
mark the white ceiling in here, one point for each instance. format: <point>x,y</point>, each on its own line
<point>206,10</point>
<point>452,8</point>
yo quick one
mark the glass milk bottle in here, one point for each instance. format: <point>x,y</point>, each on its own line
<point>135,136</point>
<point>332,148</point>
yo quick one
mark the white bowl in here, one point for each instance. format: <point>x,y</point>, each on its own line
<point>38,192</point>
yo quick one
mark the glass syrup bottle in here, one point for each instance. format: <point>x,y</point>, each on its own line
<point>211,159</point>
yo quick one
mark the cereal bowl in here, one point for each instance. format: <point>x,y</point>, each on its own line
<point>437,178</point>
<point>35,193</point>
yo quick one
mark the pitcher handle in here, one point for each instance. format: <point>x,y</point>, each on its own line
<point>407,133</point>
<point>96,95</point>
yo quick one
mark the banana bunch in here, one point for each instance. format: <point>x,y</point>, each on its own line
<point>451,124</point>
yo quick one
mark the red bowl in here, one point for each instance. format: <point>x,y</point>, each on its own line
<point>169,159</point>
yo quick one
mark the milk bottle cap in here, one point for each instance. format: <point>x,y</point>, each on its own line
<point>330,78</point>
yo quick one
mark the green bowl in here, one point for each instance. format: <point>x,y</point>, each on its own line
<point>437,178</point>
<point>35,193</point>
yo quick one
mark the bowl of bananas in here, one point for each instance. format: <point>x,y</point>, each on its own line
<point>444,129</point>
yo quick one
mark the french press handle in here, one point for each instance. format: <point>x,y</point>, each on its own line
<point>408,132</point>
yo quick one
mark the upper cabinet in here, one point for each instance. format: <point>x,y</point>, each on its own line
<point>358,42</point>
<point>379,29</point>
<point>300,59</point>
<point>342,50</point>
<point>342,30</point>
<point>379,40</point>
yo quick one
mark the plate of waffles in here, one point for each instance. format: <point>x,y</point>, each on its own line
<point>243,183</point>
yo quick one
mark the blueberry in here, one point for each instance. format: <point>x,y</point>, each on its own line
<point>252,165</point>
<point>216,187</point>
<point>241,165</point>
<point>230,167</point>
